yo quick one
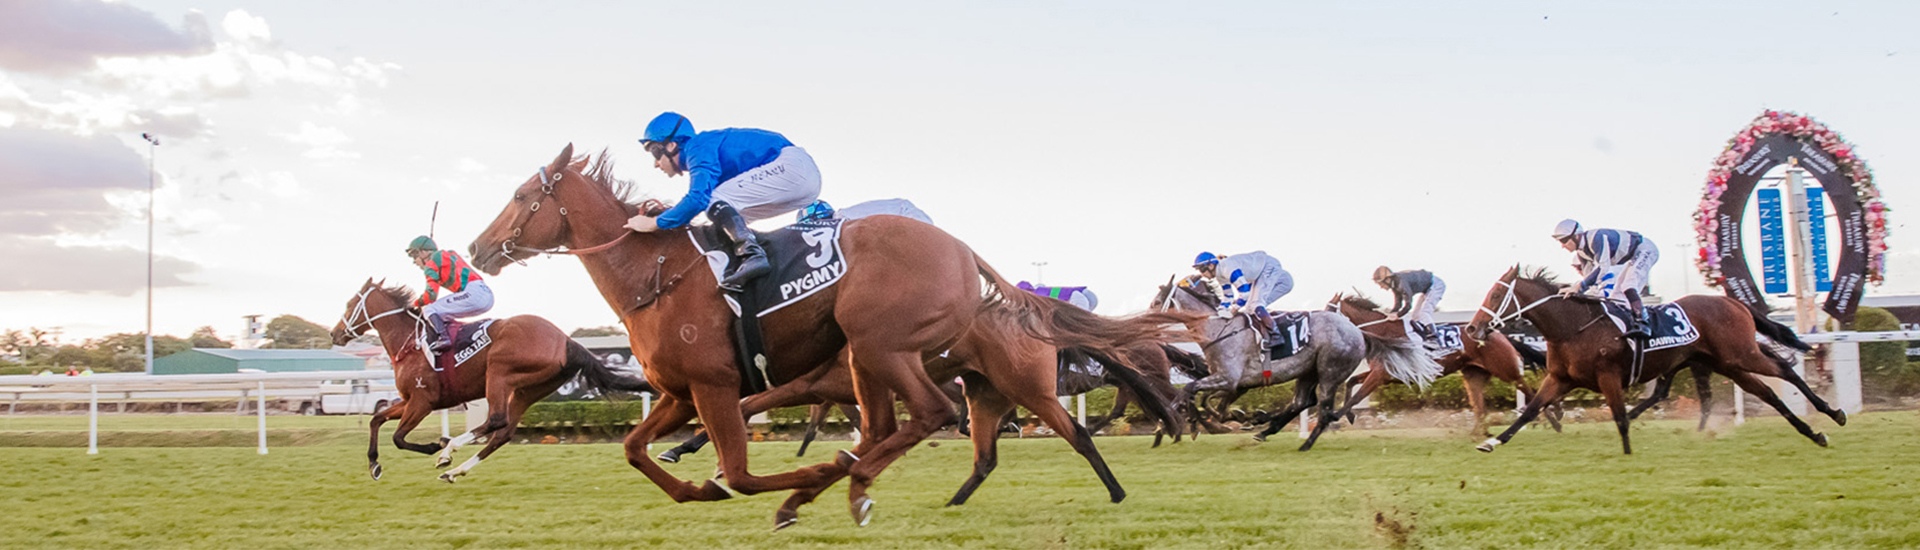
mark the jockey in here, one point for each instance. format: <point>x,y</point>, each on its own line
<point>739,175</point>
<point>468,296</point>
<point>1614,265</point>
<point>1416,293</point>
<point>904,208</point>
<point>1247,283</point>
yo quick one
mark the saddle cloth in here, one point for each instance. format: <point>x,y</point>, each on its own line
<point>468,340</point>
<point>1445,341</point>
<point>1669,324</point>
<point>805,256</point>
<point>1288,335</point>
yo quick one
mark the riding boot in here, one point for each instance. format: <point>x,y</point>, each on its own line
<point>1636,316</point>
<point>1265,319</point>
<point>746,246</point>
<point>437,340</point>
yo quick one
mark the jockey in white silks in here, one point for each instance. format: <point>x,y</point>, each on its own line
<point>1416,293</point>
<point>1614,265</point>
<point>1247,283</point>
<point>904,208</point>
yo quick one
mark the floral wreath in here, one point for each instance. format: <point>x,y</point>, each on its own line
<point>1804,129</point>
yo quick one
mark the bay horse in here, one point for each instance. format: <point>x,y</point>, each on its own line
<point>1585,350</point>
<point>1239,358</point>
<point>1477,361</point>
<point>909,292</point>
<point>528,359</point>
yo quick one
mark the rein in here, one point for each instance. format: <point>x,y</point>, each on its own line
<point>358,316</point>
<point>1500,318</point>
<point>661,287</point>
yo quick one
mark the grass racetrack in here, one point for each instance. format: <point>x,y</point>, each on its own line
<point>1758,486</point>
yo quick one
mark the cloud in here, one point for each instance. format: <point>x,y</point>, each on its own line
<point>68,36</point>
<point>40,265</point>
<point>55,182</point>
<point>322,142</point>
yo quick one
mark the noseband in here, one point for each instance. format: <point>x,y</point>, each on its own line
<point>547,182</point>
<point>358,316</point>
<point>1511,300</point>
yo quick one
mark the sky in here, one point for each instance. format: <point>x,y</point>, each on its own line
<point>302,144</point>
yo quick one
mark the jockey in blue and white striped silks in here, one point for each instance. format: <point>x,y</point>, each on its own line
<point>1246,282</point>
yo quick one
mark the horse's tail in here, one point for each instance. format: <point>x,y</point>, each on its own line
<point>1065,326</point>
<point>1777,332</point>
<point>596,375</point>
<point>1402,359</point>
<point>1193,362</point>
<point>1529,356</point>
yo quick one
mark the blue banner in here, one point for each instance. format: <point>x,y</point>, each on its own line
<point>1773,243</point>
<point>1817,217</point>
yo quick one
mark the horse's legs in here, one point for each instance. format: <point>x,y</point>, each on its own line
<point>669,413</point>
<point>1302,398</point>
<point>719,408</point>
<point>1330,389</point>
<point>1044,405</point>
<point>991,405</point>
<point>791,393</point>
<point>876,417</point>
<point>1369,382</point>
<point>816,414</point>
<point>1121,397</point>
<point>690,446</point>
<point>1752,383</point>
<point>1660,389</point>
<point>1612,389</point>
<point>1551,389</point>
<point>373,438</point>
<point>501,424</point>
<point>1476,382</point>
<point>499,390</point>
<point>902,372</point>
<point>1787,373</point>
<point>410,417</point>
<point>1703,384</point>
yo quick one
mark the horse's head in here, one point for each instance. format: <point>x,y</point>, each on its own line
<point>1191,294</point>
<point>543,213</point>
<point>1516,292</point>
<point>374,301</point>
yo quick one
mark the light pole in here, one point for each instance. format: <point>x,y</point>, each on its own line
<point>1040,273</point>
<point>153,143</point>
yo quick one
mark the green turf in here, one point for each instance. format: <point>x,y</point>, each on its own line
<point>114,422</point>
<point>1760,486</point>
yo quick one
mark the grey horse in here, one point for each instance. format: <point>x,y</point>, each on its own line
<point>1335,348</point>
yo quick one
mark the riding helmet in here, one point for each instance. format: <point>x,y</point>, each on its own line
<point>1381,273</point>
<point>819,210</point>
<point>422,242</point>
<point>1566,228</point>
<point>1205,259</point>
<point>669,126</point>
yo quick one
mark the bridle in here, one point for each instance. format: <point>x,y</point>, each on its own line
<point>1168,303</point>
<point>507,248</point>
<point>1511,300</point>
<point>358,316</point>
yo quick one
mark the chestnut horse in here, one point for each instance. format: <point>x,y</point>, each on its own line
<point>528,360</point>
<point>1476,361</point>
<point>1585,349</point>
<point>919,292</point>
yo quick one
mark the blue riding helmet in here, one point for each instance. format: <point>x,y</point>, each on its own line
<point>819,210</point>
<point>669,126</point>
<point>1205,259</point>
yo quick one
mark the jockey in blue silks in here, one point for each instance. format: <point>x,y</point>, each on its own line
<point>1614,265</point>
<point>739,175</point>
<point>1247,283</point>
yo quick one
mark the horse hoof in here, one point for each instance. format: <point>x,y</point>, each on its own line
<point>1260,437</point>
<point>376,470</point>
<point>1488,445</point>
<point>845,459</point>
<point>669,457</point>
<point>1820,439</point>
<point>443,462</point>
<point>779,523</point>
<point>445,440</point>
<point>1839,417</point>
<point>447,477</point>
<point>863,511</point>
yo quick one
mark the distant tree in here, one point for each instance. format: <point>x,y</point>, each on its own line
<point>610,330</point>
<point>204,337</point>
<point>1883,365</point>
<point>290,332</point>
<point>127,351</point>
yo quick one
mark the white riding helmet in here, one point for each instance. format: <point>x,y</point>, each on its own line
<point>1566,228</point>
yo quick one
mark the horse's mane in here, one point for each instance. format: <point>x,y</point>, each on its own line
<point>1538,275</point>
<point>601,172</point>
<point>1359,301</point>
<point>400,294</point>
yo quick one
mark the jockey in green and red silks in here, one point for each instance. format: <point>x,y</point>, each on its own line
<point>467,296</point>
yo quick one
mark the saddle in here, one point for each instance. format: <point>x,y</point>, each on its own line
<point>806,259</point>
<point>1444,340</point>
<point>1286,333</point>
<point>1667,323</point>
<point>466,344</point>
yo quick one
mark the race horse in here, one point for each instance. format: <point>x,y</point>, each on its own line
<point>1585,350</point>
<point>909,293</point>
<point>1477,361</point>
<point>1236,351</point>
<point>527,360</point>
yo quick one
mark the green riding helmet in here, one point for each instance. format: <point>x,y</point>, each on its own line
<point>422,242</point>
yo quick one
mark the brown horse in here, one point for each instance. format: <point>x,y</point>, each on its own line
<point>528,360</point>
<point>919,292</point>
<point>1585,350</point>
<point>1477,361</point>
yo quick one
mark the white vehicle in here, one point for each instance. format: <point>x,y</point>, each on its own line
<point>355,397</point>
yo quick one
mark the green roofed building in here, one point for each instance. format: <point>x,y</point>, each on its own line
<point>220,361</point>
